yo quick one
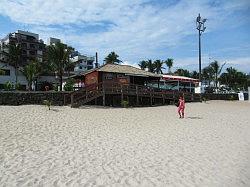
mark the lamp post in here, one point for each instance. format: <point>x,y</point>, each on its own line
<point>201,28</point>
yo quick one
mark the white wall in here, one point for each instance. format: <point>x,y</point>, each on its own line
<point>12,78</point>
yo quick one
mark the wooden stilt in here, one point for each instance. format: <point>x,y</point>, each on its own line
<point>137,96</point>
<point>103,96</point>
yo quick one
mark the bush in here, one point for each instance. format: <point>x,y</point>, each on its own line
<point>8,86</point>
<point>231,98</point>
<point>47,103</point>
<point>204,99</point>
<point>18,86</point>
<point>55,87</point>
<point>124,104</point>
<point>69,86</point>
<point>45,83</point>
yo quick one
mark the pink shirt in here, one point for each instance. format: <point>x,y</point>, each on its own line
<point>181,103</point>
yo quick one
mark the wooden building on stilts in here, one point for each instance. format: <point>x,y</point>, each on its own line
<point>111,84</point>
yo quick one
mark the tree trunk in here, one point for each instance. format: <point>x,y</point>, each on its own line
<point>216,82</point>
<point>16,76</point>
<point>61,82</point>
<point>30,83</point>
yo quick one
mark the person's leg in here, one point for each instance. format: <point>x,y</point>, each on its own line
<point>182,111</point>
<point>179,111</point>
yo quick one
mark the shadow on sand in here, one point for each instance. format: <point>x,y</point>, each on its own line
<point>194,117</point>
<point>54,110</point>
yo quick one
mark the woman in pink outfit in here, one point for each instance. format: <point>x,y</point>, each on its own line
<point>181,107</point>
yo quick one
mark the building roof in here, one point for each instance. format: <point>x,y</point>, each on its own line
<point>126,69</point>
<point>179,78</point>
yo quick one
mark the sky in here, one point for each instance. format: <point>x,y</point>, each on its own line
<point>139,29</point>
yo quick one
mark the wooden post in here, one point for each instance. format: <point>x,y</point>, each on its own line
<point>151,99</point>
<point>163,99</point>
<point>103,96</point>
<point>72,100</point>
<point>137,96</point>
<point>121,93</point>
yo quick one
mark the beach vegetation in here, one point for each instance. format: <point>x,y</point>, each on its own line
<point>143,64</point>
<point>169,62</point>
<point>2,72</point>
<point>47,103</point>
<point>158,64</point>
<point>216,71</point>
<point>69,86</point>
<point>150,66</point>
<point>58,58</point>
<point>112,58</point>
<point>8,86</point>
<point>182,72</point>
<point>235,79</point>
<point>125,104</point>
<point>31,72</point>
<point>13,53</point>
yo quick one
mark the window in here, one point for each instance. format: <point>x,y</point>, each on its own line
<point>108,76</point>
<point>32,46</point>
<point>6,72</point>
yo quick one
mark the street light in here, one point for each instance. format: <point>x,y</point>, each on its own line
<point>201,28</point>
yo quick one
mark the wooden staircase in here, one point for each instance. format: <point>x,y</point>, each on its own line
<point>93,92</point>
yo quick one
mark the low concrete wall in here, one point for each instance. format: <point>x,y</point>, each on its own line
<point>22,98</point>
<point>223,96</point>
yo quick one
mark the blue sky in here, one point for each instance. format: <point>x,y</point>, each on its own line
<point>139,29</point>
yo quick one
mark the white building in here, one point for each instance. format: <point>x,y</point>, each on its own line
<point>9,76</point>
<point>53,41</point>
<point>83,63</point>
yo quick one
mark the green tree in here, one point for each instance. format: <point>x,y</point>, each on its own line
<point>216,70</point>
<point>194,75</point>
<point>158,64</point>
<point>112,58</point>
<point>169,62</point>
<point>2,72</point>
<point>182,72</point>
<point>31,72</point>
<point>234,79</point>
<point>207,74</point>
<point>58,59</point>
<point>13,56</point>
<point>150,66</point>
<point>143,64</point>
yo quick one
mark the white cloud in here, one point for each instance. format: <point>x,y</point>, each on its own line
<point>136,29</point>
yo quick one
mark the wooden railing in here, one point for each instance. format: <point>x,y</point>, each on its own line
<point>88,93</point>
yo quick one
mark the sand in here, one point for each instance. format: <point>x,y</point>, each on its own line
<point>147,147</point>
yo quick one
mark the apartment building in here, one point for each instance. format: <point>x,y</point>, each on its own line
<point>32,47</point>
<point>82,62</point>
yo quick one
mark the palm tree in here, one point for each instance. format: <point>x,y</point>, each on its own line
<point>234,78</point>
<point>58,58</point>
<point>207,74</point>
<point>169,62</point>
<point>143,64</point>
<point>31,71</point>
<point>112,58</point>
<point>13,55</point>
<point>150,66</point>
<point>182,72</point>
<point>158,66</point>
<point>216,69</point>
<point>194,75</point>
<point>2,72</point>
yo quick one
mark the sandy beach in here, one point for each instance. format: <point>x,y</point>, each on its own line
<point>93,146</point>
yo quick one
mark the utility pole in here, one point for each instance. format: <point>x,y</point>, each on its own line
<point>201,28</point>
